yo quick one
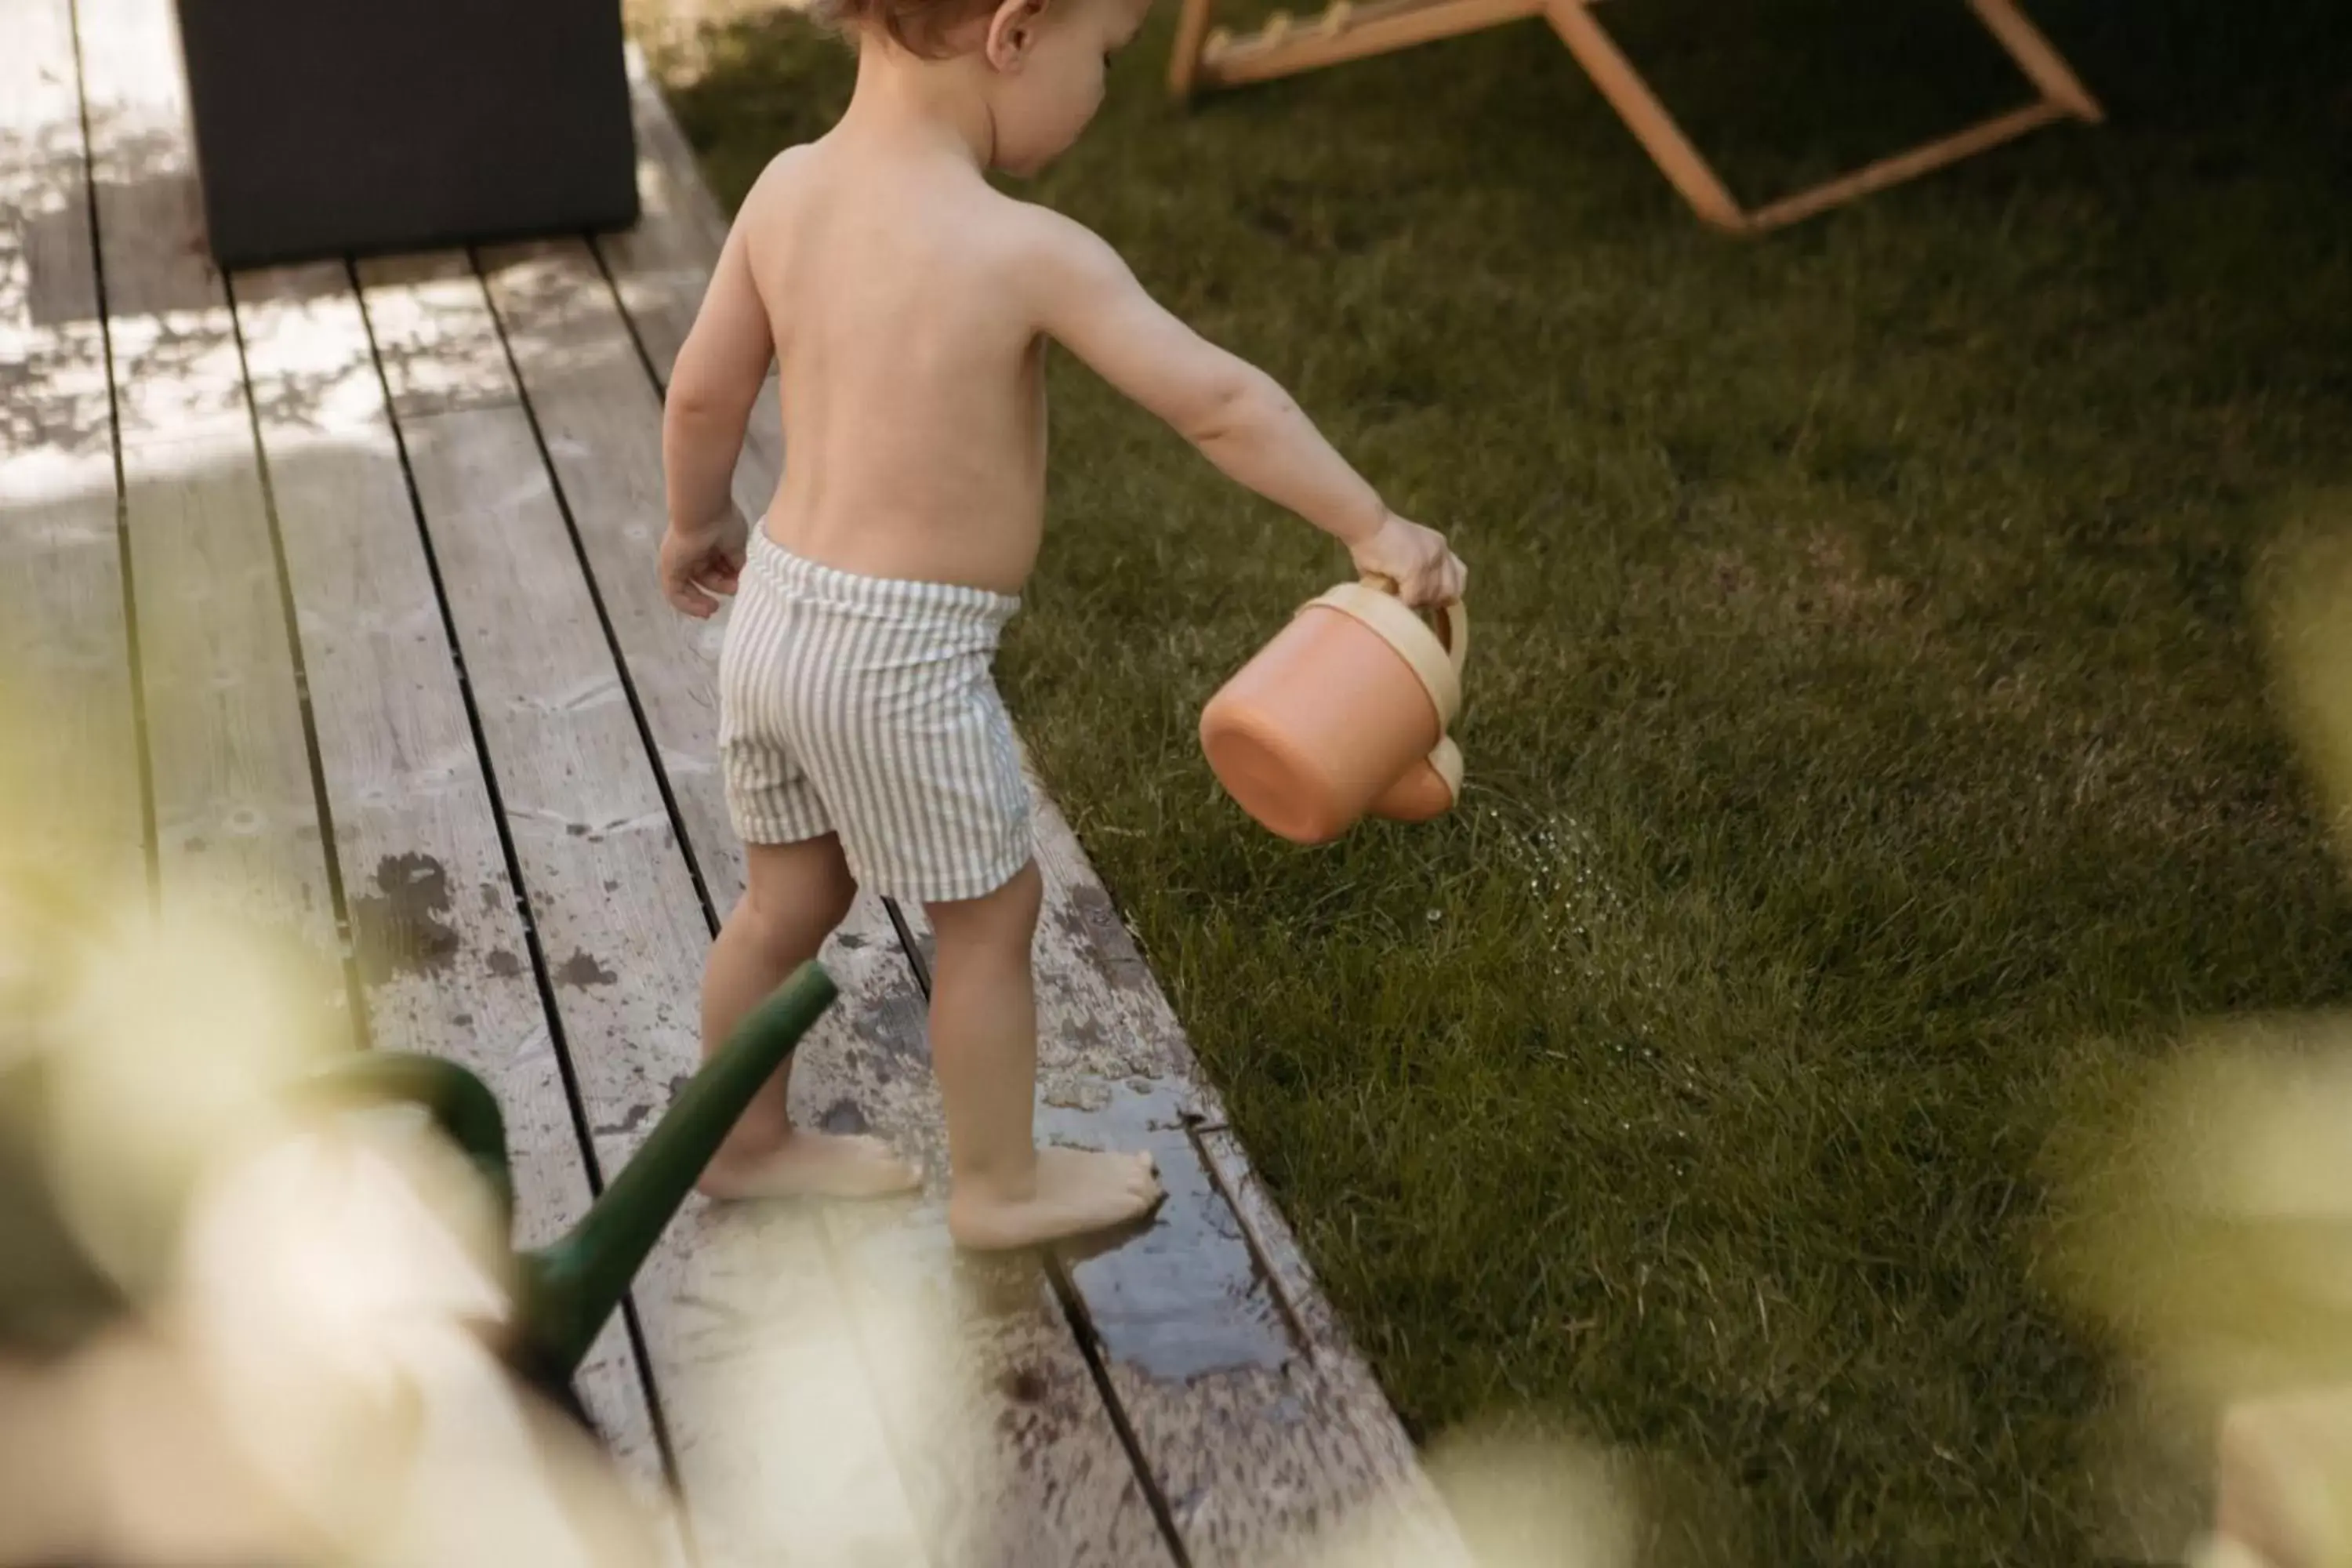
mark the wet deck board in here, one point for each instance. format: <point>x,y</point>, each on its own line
<point>1009,1442</point>
<point>1262,1423</point>
<point>739,1305</point>
<point>428,897</point>
<point>1277,1434</point>
<point>62,628</point>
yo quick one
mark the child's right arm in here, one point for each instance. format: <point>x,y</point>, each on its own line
<point>712,389</point>
<point>1240,418</point>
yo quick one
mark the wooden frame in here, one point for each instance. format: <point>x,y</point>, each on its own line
<point>1207,59</point>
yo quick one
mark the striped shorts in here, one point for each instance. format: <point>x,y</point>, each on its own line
<point>866,707</point>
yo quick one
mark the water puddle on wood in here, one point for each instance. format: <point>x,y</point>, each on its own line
<point>1184,1298</point>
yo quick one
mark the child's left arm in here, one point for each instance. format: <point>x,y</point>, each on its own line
<point>712,389</point>
<point>1084,296</point>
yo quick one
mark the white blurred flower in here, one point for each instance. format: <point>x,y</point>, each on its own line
<point>1509,1499</point>
<point>172,1049</point>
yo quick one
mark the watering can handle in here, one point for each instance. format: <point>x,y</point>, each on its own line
<point>1453,615</point>
<point>460,1104</point>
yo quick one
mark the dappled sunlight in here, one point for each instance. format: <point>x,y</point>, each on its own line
<point>434,333</point>
<point>551,293</point>
<point>177,375</point>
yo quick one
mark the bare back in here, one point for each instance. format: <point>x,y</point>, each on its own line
<point>912,385</point>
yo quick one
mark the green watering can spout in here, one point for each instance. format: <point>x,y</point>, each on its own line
<point>571,1287</point>
<point>568,1290</point>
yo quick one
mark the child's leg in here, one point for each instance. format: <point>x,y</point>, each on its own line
<point>796,894</point>
<point>1009,1193</point>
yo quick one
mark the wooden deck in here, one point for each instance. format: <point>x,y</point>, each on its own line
<point>346,575</point>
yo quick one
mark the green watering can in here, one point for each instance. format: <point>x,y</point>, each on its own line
<point>567,1290</point>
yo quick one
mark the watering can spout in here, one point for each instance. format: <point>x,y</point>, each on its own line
<point>571,1287</point>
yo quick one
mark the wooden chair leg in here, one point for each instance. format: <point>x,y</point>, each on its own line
<point>2042,65</point>
<point>1903,167</point>
<point>1643,114</point>
<point>1192,38</point>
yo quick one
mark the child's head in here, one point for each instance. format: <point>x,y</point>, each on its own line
<point>1038,65</point>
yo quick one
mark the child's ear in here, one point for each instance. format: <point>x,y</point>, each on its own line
<point>1013,32</point>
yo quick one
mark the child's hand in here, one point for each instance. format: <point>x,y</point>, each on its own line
<point>699,564</point>
<point>1416,560</point>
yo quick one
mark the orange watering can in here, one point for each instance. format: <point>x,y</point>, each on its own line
<point>1344,715</point>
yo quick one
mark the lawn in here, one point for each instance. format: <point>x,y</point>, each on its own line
<point>1871,742</point>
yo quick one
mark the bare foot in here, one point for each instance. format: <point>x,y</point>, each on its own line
<point>810,1165</point>
<point>1075,1191</point>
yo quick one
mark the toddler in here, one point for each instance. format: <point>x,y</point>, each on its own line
<point>907,303</point>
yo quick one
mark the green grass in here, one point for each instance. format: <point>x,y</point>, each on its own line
<point>1870,748</point>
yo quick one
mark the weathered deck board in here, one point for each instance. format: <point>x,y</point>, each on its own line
<point>236,813</point>
<point>995,1478</point>
<point>65,654</point>
<point>1008,1444</point>
<point>430,902</point>
<point>601,422</point>
<point>770,1416</point>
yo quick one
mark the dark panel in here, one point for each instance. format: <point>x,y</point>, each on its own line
<point>332,126</point>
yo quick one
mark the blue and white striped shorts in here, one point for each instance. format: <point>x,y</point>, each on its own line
<point>866,707</point>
